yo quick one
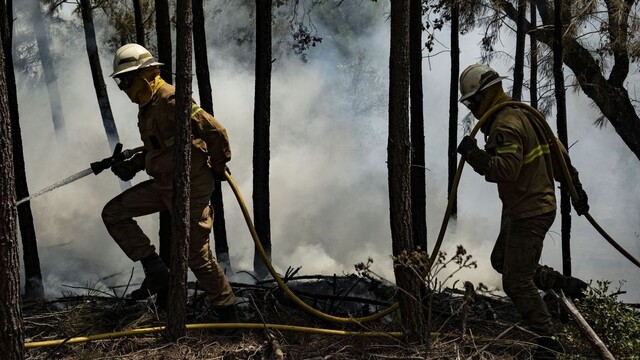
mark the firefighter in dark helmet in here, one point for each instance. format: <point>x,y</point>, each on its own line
<point>517,157</point>
<point>138,75</point>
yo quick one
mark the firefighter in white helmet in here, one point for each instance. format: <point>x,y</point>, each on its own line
<point>517,158</point>
<point>137,73</point>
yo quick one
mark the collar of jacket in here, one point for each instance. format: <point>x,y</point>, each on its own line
<point>156,84</point>
<point>499,99</point>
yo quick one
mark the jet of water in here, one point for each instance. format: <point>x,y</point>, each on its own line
<point>60,183</point>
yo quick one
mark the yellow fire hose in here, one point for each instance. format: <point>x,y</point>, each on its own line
<point>332,318</point>
<point>156,329</point>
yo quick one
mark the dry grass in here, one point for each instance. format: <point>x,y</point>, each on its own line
<point>490,331</point>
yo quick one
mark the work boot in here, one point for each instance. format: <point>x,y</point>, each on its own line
<point>156,278</point>
<point>228,314</point>
<point>547,348</point>
<point>573,287</point>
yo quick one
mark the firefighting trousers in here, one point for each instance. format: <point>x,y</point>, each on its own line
<point>516,255</point>
<point>146,198</point>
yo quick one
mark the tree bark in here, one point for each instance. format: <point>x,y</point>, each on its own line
<point>11,327</point>
<point>96,73</point>
<point>176,310</point>
<point>163,33</point>
<point>452,155</point>
<point>206,100</point>
<point>533,77</point>
<point>518,68</point>
<point>137,11</point>
<point>261,121</point>
<point>33,276</point>
<point>399,165</point>
<point>561,120</point>
<point>608,94</point>
<point>41,29</point>
<point>418,176</point>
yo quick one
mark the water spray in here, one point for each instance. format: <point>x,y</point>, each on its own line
<point>95,168</point>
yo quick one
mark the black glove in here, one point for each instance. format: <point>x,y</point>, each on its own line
<point>474,156</point>
<point>125,169</point>
<point>220,176</point>
<point>581,205</point>
<point>467,144</point>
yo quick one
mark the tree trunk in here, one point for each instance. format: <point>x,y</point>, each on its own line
<point>41,29</point>
<point>418,180</point>
<point>561,119</point>
<point>11,327</point>
<point>399,165</point>
<point>163,33</point>
<point>608,94</point>
<point>533,87</point>
<point>261,123</point>
<point>176,310</point>
<point>453,102</point>
<point>206,100</point>
<point>137,11</point>
<point>96,73</point>
<point>33,276</point>
<point>518,68</point>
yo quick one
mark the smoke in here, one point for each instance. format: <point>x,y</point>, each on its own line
<point>328,174</point>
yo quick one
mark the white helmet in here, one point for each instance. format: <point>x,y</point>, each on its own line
<point>131,57</point>
<point>475,78</point>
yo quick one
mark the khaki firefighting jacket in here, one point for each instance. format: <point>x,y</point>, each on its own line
<point>523,162</point>
<point>210,149</point>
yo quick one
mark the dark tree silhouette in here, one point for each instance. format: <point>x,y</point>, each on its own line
<point>452,155</point>
<point>399,165</point>
<point>518,67</point>
<point>137,11</point>
<point>176,310</point>
<point>96,73</point>
<point>12,334</point>
<point>261,124</point>
<point>163,33</point>
<point>206,101</point>
<point>418,179</point>
<point>561,119</point>
<point>34,288</point>
<point>533,77</point>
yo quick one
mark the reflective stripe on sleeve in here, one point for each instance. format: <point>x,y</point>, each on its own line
<point>535,153</point>
<point>510,149</point>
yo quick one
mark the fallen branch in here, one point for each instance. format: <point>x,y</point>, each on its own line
<point>584,327</point>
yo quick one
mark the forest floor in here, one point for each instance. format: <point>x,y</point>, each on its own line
<point>489,324</point>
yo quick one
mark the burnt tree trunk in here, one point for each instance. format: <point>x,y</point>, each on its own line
<point>418,176</point>
<point>206,100</point>
<point>561,119</point>
<point>163,33</point>
<point>176,309</point>
<point>452,155</point>
<point>96,73</point>
<point>11,327</point>
<point>137,13</point>
<point>399,165</point>
<point>518,68</point>
<point>34,288</point>
<point>261,123</point>
<point>41,29</point>
<point>533,77</point>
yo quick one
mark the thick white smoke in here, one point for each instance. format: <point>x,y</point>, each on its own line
<point>329,199</point>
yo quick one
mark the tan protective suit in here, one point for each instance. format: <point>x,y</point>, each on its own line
<point>210,152</point>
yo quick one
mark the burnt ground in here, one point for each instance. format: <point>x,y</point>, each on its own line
<point>489,324</point>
